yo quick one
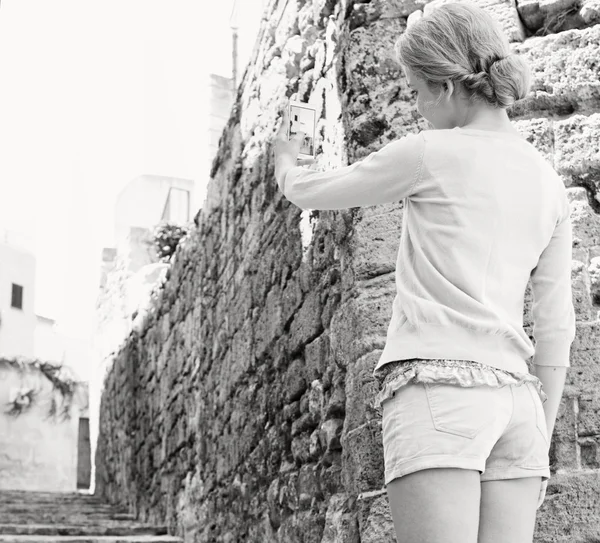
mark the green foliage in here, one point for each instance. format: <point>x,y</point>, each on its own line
<point>166,238</point>
<point>62,382</point>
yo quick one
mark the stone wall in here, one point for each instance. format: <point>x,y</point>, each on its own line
<point>240,410</point>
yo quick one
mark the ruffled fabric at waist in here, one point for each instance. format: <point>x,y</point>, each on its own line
<point>464,373</point>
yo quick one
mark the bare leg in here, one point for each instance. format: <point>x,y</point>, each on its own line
<point>438,505</point>
<point>508,510</point>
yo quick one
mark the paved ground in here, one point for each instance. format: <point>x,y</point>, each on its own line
<point>34,517</point>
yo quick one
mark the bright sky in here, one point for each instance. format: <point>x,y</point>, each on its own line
<point>94,93</point>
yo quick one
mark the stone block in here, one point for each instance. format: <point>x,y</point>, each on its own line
<point>341,523</point>
<point>589,413</point>
<point>361,389</point>
<point>590,11</point>
<point>330,434</point>
<point>590,452</point>
<point>308,486</point>
<point>376,89</point>
<point>332,302</point>
<point>306,422</point>
<point>296,380</point>
<point>269,325</point>
<point>306,325</point>
<point>317,357</point>
<point>569,511</point>
<point>336,402</point>
<point>291,299</point>
<point>315,449</point>
<point>241,349</point>
<point>565,72</point>
<point>241,307</point>
<point>540,134</point>
<point>585,221</point>
<point>577,147</point>
<point>291,411</point>
<point>376,236</point>
<point>368,313</point>
<point>563,453</point>
<point>504,13</point>
<point>594,275</point>
<point>375,517</point>
<point>584,373</point>
<point>302,527</point>
<point>322,10</point>
<point>582,299</point>
<point>301,449</point>
<point>552,16</point>
<point>586,339</point>
<point>362,452</point>
<point>316,400</point>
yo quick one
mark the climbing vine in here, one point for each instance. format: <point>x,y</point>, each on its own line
<point>63,383</point>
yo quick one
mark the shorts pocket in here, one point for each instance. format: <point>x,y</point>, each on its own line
<point>540,417</point>
<point>463,411</point>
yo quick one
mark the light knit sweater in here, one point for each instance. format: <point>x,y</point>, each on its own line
<point>483,212</point>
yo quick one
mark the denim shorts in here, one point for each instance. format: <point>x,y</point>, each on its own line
<point>501,432</point>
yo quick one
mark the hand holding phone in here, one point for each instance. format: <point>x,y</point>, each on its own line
<point>303,118</point>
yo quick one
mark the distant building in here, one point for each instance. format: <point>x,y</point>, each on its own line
<point>44,437</point>
<point>36,453</point>
<point>48,344</point>
<point>220,96</point>
<point>17,296</point>
<point>149,199</point>
<point>130,270</point>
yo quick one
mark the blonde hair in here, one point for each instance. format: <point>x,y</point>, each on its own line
<point>463,43</point>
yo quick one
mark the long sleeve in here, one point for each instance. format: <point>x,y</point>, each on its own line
<point>385,176</point>
<point>553,311</point>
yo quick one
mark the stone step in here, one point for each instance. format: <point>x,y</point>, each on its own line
<point>56,503</point>
<point>89,539</point>
<point>15,509</point>
<point>45,517</point>
<point>62,517</point>
<point>52,503</point>
<point>65,518</point>
<point>129,529</point>
<point>48,497</point>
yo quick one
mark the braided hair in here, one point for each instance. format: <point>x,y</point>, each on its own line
<point>462,43</point>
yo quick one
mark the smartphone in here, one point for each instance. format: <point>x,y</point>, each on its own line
<point>303,118</point>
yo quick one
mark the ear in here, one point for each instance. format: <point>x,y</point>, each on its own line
<point>448,87</point>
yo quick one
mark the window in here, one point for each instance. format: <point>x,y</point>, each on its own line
<point>17,296</point>
<point>177,206</point>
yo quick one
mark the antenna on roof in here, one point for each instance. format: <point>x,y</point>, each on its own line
<point>233,24</point>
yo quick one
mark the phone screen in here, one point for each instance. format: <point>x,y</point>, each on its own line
<point>303,119</point>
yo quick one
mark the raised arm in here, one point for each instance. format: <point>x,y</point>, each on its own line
<point>387,175</point>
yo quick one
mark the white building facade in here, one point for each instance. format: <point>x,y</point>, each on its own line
<point>17,297</point>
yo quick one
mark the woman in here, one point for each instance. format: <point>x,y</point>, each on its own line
<point>465,430</point>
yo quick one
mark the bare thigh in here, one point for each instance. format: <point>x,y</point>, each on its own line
<point>439,505</point>
<point>508,510</point>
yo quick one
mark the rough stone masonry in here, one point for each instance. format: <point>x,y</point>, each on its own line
<point>240,411</point>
